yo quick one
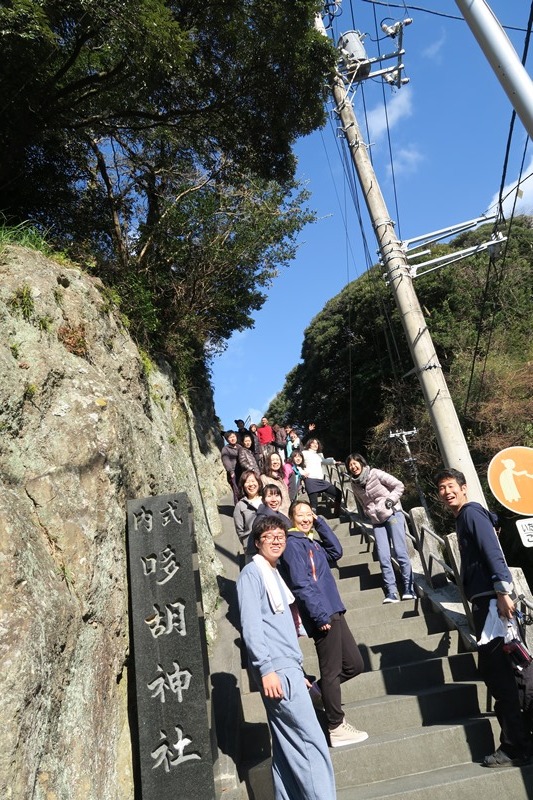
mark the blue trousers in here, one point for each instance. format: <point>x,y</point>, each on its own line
<point>392,531</point>
<point>301,765</point>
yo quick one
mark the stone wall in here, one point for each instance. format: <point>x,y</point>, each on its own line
<point>86,422</point>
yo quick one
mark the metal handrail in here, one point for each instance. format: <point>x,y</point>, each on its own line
<point>414,534</point>
<point>338,476</point>
<point>440,540</point>
<point>442,564</point>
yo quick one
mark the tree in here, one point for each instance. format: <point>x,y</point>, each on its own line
<point>226,76</point>
<point>355,378</point>
<point>154,139</point>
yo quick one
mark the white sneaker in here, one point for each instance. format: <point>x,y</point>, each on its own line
<point>391,598</point>
<point>346,734</point>
<point>408,596</point>
<point>316,696</point>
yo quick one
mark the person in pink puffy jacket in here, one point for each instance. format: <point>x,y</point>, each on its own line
<point>379,495</point>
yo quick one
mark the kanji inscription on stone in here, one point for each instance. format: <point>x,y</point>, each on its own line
<point>169,653</point>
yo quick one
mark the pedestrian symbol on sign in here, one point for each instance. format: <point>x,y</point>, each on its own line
<point>510,477</point>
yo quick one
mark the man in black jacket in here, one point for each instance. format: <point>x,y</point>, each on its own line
<point>486,579</point>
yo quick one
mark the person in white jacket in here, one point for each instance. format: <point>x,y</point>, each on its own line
<point>379,495</point>
<point>313,476</point>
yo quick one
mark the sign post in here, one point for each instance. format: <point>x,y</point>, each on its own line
<point>510,477</point>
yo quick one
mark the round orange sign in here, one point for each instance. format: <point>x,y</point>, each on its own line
<point>510,478</point>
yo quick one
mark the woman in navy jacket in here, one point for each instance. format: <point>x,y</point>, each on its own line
<point>311,548</point>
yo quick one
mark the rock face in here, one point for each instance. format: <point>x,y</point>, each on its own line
<point>86,422</point>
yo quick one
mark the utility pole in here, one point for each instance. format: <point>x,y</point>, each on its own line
<point>450,438</point>
<point>502,57</point>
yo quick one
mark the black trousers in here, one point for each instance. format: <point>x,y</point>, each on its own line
<point>498,674</point>
<point>339,659</point>
<point>332,490</point>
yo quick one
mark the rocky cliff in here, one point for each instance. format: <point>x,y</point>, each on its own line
<point>86,422</point>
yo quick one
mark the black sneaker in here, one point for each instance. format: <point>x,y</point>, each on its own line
<point>501,759</point>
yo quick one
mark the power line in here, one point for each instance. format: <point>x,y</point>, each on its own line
<point>433,12</point>
<point>391,159</point>
<point>391,343</point>
<point>492,258</point>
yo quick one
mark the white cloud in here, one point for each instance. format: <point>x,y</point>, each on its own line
<point>406,160</point>
<point>255,414</point>
<point>524,201</point>
<point>398,109</point>
<point>433,51</point>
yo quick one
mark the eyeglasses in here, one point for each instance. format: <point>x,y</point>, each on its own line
<point>270,537</point>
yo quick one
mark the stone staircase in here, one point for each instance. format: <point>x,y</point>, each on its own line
<point>420,701</point>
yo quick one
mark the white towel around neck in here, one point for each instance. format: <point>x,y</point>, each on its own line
<point>272,586</point>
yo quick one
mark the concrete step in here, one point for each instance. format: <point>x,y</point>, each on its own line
<point>353,551</point>
<point>358,576</point>
<point>393,757</point>
<point>378,656</point>
<point>354,597</point>
<point>468,781</point>
<point>390,755</point>
<point>428,707</point>
<point>410,670</point>
<point>409,679</point>
<point>377,628</point>
<point>395,711</point>
<point>373,598</point>
<point>374,633</point>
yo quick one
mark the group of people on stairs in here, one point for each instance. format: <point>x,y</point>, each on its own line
<point>287,589</point>
<point>292,461</point>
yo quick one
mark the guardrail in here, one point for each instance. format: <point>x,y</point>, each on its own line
<point>439,556</point>
<point>428,544</point>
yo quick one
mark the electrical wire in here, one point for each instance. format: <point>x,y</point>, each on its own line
<point>391,159</point>
<point>496,285</point>
<point>391,344</point>
<point>433,12</point>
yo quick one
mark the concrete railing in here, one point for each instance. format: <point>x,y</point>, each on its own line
<point>431,547</point>
<point>439,557</point>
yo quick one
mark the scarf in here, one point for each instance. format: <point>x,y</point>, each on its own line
<point>362,477</point>
<point>274,588</point>
<point>309,535</point>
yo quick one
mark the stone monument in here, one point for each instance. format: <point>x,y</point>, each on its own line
<point>170,658</point>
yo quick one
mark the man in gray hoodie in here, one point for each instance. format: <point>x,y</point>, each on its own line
<point>301,765</point>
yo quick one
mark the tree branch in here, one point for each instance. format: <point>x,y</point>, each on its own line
<point>102,166</point>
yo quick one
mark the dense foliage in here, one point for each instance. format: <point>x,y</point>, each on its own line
<point>355,376</point>
<point>355,381</point>
<point>153,139</point>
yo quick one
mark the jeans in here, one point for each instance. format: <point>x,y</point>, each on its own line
<point>392,531</point>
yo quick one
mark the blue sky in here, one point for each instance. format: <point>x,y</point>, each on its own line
<point>448,131</point>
